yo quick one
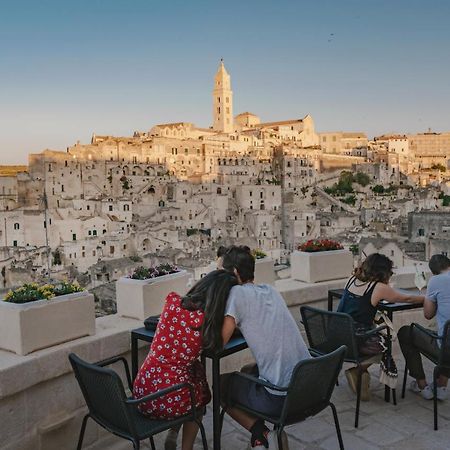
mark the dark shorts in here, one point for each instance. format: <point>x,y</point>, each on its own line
<point>254,396</point>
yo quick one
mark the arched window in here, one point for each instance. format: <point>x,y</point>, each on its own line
<point>16,226</point>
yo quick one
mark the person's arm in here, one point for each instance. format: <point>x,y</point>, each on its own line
<point>385,292</point>
<point>429,308</point>
<point>228,327</point>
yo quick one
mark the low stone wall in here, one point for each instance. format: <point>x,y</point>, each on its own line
<point>41,406</point>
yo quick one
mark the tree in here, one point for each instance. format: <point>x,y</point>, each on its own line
<point>362,178</point>
<point>378,189</point>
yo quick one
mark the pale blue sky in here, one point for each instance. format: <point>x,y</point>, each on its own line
<point>71,68</point>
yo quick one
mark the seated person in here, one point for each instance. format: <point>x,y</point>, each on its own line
<point>187,326</point>
<point>437,303</point>
<point>274,340</point>
<point>363,291</point>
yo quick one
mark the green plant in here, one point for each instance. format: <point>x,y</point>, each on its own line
<point>350,200</point>
<point>362,178</point>
<point>31,292</point>
<point>354,248</point>
<point>258,254</point>
<point>378,189</point>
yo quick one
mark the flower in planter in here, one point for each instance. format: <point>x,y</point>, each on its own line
<point>320,245</point>
<point>31,292</point>
<point>258,254</point>
<point>145,273</point>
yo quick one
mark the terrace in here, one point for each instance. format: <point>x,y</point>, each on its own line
<point>41,406</point>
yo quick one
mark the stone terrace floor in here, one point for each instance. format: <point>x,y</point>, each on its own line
<point>409,425</point>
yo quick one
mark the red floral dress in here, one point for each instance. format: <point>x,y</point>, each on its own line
<point>173,359</point>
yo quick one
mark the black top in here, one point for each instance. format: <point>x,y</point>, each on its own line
<point>358,306</point>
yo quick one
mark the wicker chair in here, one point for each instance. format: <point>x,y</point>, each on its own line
<point>109,406</point>
<point>327,330</point>
<point>309,392</point>
<point>442,361</point>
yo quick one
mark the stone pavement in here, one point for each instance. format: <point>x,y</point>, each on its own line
<point>408,426</point>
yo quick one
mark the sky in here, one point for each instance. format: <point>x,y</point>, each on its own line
<point>71,68</point>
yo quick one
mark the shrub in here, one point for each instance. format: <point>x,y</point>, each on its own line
<point>362,179</point>
<point>31,292</point>
<point>145,273</point>
<point>320,245</point>
<point>258,254</point>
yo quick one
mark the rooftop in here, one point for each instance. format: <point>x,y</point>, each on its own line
<point>41,405</point>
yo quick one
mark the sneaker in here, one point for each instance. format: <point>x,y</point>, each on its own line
<point>426,392</point>
<point>441,392</point>
<point>352,378</point>
<point>273,441</point>
<point>171,440</point>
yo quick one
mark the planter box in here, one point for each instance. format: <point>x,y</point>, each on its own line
<point>32,326</point>
<point>140,299</point>
<point>321,266</point>
<point>264,271</point>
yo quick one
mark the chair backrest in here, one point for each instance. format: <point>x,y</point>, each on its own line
<point>311,386</point>
<point>444,359</point>
<point>327,331</point>
<point>104,394</point>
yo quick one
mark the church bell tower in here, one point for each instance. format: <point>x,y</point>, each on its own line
<point>222,101</point>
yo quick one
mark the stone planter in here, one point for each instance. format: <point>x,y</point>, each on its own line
<point>140,299</point>
<point>321,266</point>
<point>264,271</point>
<point>32,326</point>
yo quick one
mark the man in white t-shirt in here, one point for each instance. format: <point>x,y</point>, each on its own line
<point>274,339</point>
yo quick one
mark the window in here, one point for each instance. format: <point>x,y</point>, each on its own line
<point>14,243</point>
<point>421,232</point>
<point>74,237</point>
<point>111,249</point>
<point>94,233</point>
<point>110,207</point>
<point>16,226</point>
<point>126,207</point>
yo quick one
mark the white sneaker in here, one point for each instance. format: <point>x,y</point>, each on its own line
<point>273,441</point>
<point>441,392</point>
<point>426,392</point>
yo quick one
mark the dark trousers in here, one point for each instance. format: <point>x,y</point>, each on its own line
<point>415,343</point>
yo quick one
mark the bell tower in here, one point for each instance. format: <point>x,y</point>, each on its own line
<point>222,101</point>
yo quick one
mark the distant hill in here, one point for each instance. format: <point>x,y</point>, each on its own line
<point>9,171</point>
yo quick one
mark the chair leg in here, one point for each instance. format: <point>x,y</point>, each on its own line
<point>435,407</point>
<point>338,427</point>
<point>279,430</point>
<point>152,443</point>
<point>358,396</point>
<point>222,414</point>
<point>203,434</point>
<point>405,377</point>
<point>83,429</point>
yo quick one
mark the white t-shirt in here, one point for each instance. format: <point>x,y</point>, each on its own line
<point>269,329</point>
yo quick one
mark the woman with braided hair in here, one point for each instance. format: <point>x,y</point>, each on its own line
<point>187,326</point>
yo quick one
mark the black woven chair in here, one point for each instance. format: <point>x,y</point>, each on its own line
<point>309,392</point>
<point>109,406</point>
<point>442,361</point>
<point>327,330</point>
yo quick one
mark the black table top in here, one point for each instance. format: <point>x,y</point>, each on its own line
<point>234,345</point>
<point>384,305</point>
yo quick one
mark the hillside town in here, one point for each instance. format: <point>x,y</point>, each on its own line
<point>176,192</point>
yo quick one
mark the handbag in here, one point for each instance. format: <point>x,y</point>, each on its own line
<point>370,345</point>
